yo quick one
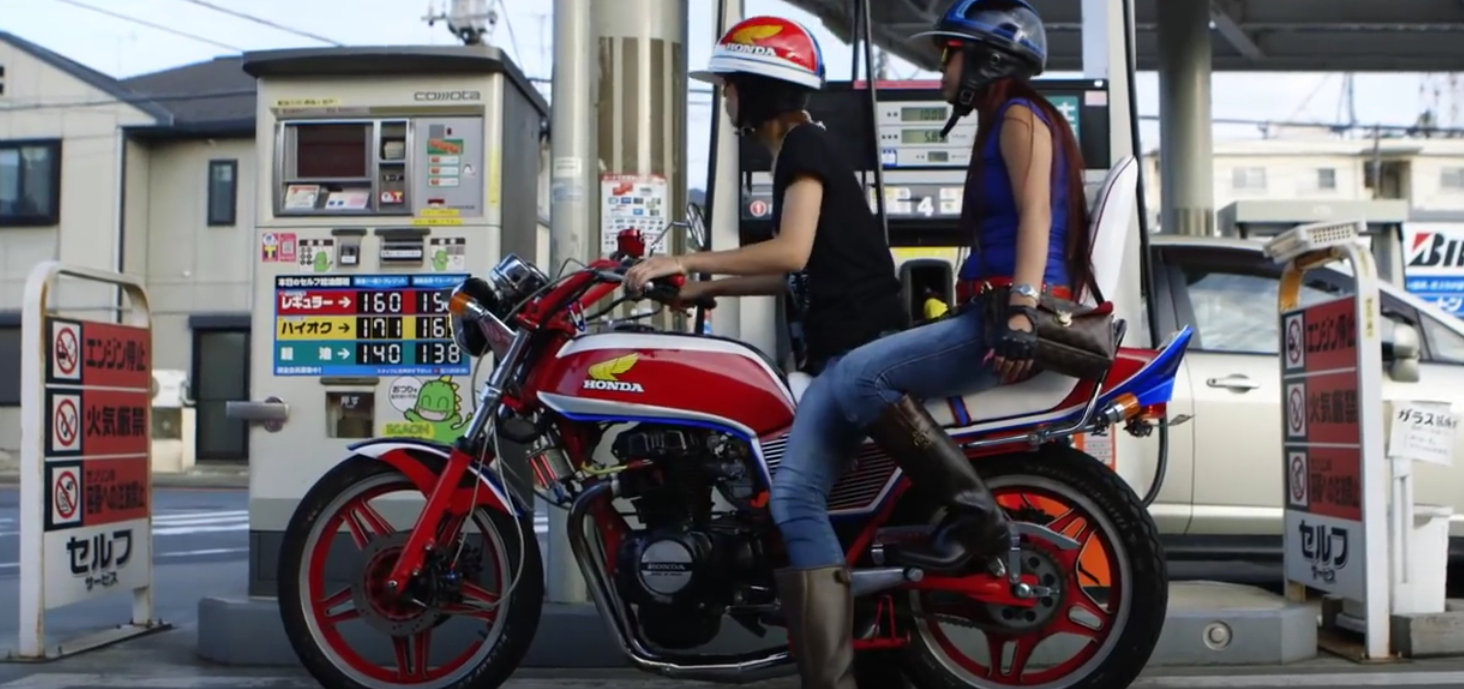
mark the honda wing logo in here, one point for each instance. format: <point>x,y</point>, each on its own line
<point>747,40</point>
<point>605,375</point>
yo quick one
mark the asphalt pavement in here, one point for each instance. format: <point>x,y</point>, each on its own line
<point>201,540</point>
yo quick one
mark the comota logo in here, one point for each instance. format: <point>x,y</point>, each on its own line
<point>602,376</point>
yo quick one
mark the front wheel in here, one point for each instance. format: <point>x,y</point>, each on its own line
<point>1099,628</point>
<point>465,623</point>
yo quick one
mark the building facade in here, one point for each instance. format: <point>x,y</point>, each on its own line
<point>1427,173</point>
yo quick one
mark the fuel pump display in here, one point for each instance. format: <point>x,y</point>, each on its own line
<point>924,174</point>
<point>365,325</point>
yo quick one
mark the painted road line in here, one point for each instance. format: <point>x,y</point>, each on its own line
<point>175,555</point>
<point>189,523</point>
<point>195,681</point>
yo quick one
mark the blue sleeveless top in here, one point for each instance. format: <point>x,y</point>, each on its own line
<point>989,211</point>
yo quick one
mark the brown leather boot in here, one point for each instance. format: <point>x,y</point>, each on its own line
<point>975,529</point>
<point>819,611</point>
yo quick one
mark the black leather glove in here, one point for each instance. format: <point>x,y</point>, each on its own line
<point>1016,345</point>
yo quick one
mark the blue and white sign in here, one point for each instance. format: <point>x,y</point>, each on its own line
<point>1434,263</point>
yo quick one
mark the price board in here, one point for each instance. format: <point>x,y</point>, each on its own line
<point>365,325</point>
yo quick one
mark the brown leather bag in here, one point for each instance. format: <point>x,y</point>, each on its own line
<point>1072,339</point>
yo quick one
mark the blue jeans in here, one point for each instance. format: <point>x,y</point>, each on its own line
<point>932,361</point>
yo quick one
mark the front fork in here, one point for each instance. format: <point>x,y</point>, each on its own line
<point>423,538</point>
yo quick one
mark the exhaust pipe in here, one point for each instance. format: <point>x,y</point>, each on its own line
<point>742,669</point>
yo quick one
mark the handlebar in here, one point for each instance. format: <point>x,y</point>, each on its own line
<point>664,290</point>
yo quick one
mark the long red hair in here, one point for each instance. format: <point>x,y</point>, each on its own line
<point>1067,170</point>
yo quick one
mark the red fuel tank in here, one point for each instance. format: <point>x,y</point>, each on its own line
<point>667,375</point>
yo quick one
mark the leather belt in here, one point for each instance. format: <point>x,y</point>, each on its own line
<point>966,290</point>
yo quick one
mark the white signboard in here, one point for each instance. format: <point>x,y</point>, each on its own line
<point>1423,432</point>
<point>634,202</point>
<point>83,562</point>
<point>1336,473</point>
<point>86,463</point>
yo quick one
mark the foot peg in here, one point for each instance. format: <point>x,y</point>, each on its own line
<point>863,582</point>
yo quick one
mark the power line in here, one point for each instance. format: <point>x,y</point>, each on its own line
<point>150,25</point>
<point>264,22</point>
<point>512,39</point>
<point>131,100</point>
<point>1388,129</point>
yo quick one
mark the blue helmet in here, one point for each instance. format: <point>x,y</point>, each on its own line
<point>1008,26</point>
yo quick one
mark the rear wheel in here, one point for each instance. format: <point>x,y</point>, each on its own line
<point>1100,628</point>
<point>465,623</point>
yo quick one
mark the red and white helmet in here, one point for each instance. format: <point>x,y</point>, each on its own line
<point>770,47</point>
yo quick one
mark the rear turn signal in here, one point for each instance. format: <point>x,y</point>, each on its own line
<point>1123,408</point>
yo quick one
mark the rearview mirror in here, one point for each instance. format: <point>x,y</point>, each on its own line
<point>1401,353</point>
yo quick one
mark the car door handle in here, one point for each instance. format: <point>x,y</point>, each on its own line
<point>1235,382</point>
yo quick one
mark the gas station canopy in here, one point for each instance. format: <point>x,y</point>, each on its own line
<point>1249,35</point>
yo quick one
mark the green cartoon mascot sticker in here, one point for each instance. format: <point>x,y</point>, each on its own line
<point>431,409</point>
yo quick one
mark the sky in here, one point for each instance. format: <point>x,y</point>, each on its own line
<point>123,48</point>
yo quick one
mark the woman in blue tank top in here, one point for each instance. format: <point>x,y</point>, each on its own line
<point>1027,217</point>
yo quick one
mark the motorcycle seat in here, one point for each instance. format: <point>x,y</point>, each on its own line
<point>1047,395</point>
<point>1044,392</point>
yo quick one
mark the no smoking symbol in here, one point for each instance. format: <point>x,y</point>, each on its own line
<point>68,423</point>
<point>1298,479</point>
<point>1296,410</point>
<point>66,495</point>
<point>1295,342</point>
<point>67,351</point>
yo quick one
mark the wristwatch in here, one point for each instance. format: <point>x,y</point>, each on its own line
<point>1026,291</point>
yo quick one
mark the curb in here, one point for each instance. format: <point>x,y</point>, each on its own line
<point>197,479</point>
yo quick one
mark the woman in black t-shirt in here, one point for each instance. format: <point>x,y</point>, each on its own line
<point>829,257</point>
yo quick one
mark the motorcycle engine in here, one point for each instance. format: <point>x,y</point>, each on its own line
<point>683,569</point>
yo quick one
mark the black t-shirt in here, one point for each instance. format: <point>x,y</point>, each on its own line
<point>847,294</point>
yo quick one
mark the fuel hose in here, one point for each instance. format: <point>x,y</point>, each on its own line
<point>1146,271</point>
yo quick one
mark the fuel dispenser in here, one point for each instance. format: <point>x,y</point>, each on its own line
<point>386,176</point>
<point>924,176</point>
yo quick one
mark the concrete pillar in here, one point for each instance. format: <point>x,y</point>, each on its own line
<point>574,188</point>
<point>1186,178</point>
<point>724,192</point>
<point>640,104</point>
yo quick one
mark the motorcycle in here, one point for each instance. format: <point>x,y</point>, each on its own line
<point>662,447</point>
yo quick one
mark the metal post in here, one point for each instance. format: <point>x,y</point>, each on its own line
<point>571,230</point>
<point>1105,56</point>
<point>1186,186</point>
<point>724,193</point>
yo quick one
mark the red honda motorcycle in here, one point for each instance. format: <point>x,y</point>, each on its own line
<point>662,447</point>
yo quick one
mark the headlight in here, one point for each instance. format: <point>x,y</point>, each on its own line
<point>514,279</point>
<point>509,283</point>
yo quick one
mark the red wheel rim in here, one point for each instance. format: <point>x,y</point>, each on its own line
<point>412,653</point>
<point>1073,521</point>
